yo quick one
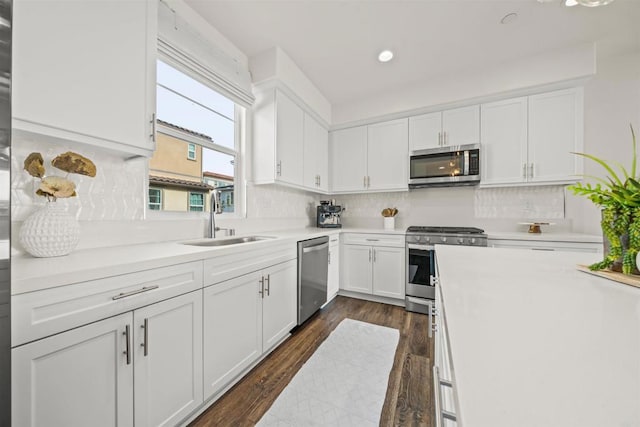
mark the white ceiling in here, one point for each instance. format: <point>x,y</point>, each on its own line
<point>336,43</point>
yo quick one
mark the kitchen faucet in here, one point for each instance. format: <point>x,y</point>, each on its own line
<point>214,209</point>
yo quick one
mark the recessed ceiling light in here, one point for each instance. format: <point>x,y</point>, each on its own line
<point>385,56</point>
<point>509,18</point>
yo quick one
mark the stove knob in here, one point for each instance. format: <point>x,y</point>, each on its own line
<point>460,240</point>
<point>473,240</point>
<point>444,239</point>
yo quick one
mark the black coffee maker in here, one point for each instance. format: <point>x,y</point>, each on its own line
<point>328,215</point>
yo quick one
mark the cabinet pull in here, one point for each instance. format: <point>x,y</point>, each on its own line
<point>531,170</point>
<point>261,291</point>
<point>279,168</point>
<point>268,282</point>
<point>319,180</point>
<point>137,291</point>
<point>374,255</point>
<point>430,319</point>
<point>369,254</point>
<point>368,181</point>
<point>524,170</point>
<point>145,343</point>
<point>329,257</point>
<point>364,181</point>
<point>439,138</point>
<point>373,240</point>
<point>127,349</point>
<point>153,127</point>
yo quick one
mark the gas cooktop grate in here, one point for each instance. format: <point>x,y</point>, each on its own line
<point>444,230</point>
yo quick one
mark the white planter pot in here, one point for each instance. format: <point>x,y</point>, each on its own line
<point>50,232</point>
<point>389,223</point>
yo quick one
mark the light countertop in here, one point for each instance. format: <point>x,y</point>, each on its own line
<point>534,342</point>
<point>545,237</point>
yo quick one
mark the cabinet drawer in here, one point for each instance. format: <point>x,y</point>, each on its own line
<point>227,267</point>
<point>393,240</point>
<point>43,313</point>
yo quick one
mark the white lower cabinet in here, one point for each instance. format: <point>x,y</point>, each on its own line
<point>245,317</point>
<point>149,359</point>
<point>546,245</point>
<point>373,265</point>
<point>333,278</point>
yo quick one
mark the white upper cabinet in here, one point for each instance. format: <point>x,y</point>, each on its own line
<point>370,158</point>
<point>289,136</point>
<point>84,71</point>
<point>388,156</point>
<point>425,131</point>
<point>348,154</point>
<point>504,141</point>
<point>555,130</point>
<point>458,126</point>
<point>529,140</point>
<point>316,155</point>
<point>461,126</point>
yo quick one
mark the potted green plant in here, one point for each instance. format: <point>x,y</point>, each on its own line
<point>619,197</point>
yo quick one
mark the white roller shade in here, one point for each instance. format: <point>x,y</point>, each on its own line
<point>179,42</point>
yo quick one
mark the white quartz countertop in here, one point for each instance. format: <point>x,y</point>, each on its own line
<point>544,237</point>
<point>30,274</point>
<point>534,342</point>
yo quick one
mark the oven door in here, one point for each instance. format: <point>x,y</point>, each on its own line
<point>420,271</point>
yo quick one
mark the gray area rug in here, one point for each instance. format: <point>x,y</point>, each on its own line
<point>344,383</point>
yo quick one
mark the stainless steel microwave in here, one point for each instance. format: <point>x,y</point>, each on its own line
<point>445,166</point>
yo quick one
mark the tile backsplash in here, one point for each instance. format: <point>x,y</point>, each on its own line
<point>116,193</point>
<point>535,203</point>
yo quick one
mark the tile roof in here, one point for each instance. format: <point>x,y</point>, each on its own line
<point>190,132</point>
<point>174,182</point>
<point>217,175</point>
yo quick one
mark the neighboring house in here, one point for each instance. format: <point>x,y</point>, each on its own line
<point>224,185</point>
<point>175,172</point>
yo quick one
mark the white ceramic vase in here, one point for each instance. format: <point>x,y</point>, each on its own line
<point>50,232</point>
<point>389,223</point>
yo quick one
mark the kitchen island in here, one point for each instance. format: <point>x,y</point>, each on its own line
<point>534,342</point>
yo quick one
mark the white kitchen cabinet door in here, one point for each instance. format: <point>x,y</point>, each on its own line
<point>333,279</point>
<point>425,131</point>
<point>316,152</point>
<point>289,140</point>
<point>232,330</point>
<point>77,378</point>
<point>85,71</point>
<point>168,360</point>
<point>461,126</point>
<point>388,272</point>
<point>504,141</point>
<point>555,130</point>
<point>279,302</point>
<point>356,268</point>
<point>388,156</point>
<point>348,154</point>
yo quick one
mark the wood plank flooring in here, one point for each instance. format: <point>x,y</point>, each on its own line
<point>408,401</point>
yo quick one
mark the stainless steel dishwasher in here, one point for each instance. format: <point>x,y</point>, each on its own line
<point>313,270</point>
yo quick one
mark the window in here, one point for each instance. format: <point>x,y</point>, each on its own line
<point>194,117</point>
<point>196,202</point>
<point>155,199</point>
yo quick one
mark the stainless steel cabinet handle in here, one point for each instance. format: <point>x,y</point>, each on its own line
<point>268,282</point>
<point>329,257</point>
<point>319,180</point>
<point>261,290</point>
<point>137,291</point>
<point>374,255</point>
<point>153,127</point>
<point>127,348</point>
<point>531,170</point>
<point>364,184</point>
<point>439,138</point>
<point>444,138</point>
<point>279,168</point>
<point>368,181</point>
<point>524,170</point>
<point>145,342</point>
<point>430,318</point>
<point>372,240</point>
<point>369,254</point>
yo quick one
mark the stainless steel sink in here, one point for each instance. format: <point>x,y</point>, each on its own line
<point>227,242</point>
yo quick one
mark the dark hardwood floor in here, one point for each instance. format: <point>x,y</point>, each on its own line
<point>408,401</point>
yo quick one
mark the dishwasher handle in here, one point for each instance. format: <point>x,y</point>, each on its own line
<point>315,248</point>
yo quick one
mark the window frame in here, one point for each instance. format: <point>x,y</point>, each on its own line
<point>204,201</point>
<point>238,151</point>
<point>194,151</point>
<point>159,190</point>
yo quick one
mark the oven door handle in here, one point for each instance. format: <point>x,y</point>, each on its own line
<point>421,247</point>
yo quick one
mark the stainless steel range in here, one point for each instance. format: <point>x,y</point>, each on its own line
<point>421,259</point>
